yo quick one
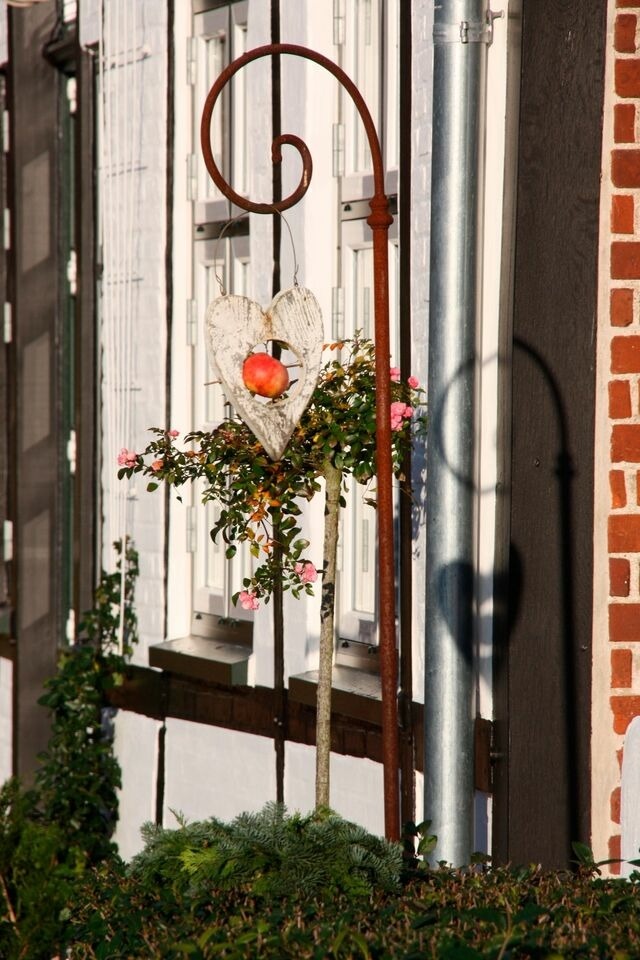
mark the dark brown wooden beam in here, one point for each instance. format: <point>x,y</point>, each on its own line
<point>36,271</point>
<point>86,481</point>
<point>543,679</point>
<point>251,710</point>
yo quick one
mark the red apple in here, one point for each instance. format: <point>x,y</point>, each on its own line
<point>264,375</point>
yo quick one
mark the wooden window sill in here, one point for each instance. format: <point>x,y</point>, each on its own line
<point>219,654</point>
<point>354,693</point>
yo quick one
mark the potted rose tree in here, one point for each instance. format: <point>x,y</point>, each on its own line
<point>259,498</point>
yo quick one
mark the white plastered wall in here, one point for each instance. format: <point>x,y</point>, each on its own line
<point>356,786</point>
<point>89,15</point>
<point>6,719</point>
<point>4,33</point>
<point>136,743</point>
<point>213,772</point>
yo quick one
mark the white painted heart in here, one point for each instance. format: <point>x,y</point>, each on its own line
<point>233,327</point>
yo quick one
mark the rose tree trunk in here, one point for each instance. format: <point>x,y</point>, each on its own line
<point>333,482</point>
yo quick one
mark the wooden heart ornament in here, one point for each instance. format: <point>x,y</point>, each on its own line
<point>234,326</point>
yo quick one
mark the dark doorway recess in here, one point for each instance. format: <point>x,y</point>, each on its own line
<point>543,642</point>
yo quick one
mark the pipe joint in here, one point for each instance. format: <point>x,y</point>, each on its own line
<point>467,31</point>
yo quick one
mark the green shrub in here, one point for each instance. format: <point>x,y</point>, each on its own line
<point>37,874</point>
<point>272,855</point>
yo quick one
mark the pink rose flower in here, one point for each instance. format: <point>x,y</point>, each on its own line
<point>413,382</point>
<point>157,465</point>
<point>248,600</point>
<point>127,458</point>
<point>307,572</point>
<point>173,433</point>
<point>397,413</point>
<point>394,373</point>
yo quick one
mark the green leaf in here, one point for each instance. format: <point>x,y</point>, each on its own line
<point>584,853</point>
<point>427,844</point>
<point>230,552</point>
<point>422,827</point>
<point>151,486</point>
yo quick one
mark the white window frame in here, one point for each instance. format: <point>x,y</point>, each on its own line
<point>226,28</point>
<point>381,93</point>
<point>219,36</point>
<point>357,604</point>
<point>216,578</point>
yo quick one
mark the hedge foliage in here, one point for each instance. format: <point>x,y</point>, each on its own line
<point>267,885</point>
<point>450,914</point>
<point>275,886</point>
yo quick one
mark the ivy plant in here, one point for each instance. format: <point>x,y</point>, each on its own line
<point>52,834</point>
<point>78,776</point>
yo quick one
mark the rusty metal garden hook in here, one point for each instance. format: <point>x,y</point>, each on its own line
<point>379,220</point>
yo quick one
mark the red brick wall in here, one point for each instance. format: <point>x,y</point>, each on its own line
<point>624,387</point>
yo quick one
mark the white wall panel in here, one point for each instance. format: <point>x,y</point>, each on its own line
<point>4,34</point>
<point>630,798</point>
<point>356,786</point>
<point>136,748</point>
<point>6,719</point>
<point>89,13</point>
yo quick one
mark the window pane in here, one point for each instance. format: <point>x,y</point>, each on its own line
<point>222,37</point>
<point>363,319</point>
<point>372,58</point>
<point>364,64</point>
<point>69,10</point>
<point>391,131</point>
<point>358,586</point>
<point>216,578</point>
<point>212,57</point>
<point>239,110</point>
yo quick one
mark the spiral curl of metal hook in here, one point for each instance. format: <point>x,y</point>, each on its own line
<point>276,153</point>
<point>379,217</point>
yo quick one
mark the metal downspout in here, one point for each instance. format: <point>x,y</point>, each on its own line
<point>461,34</point>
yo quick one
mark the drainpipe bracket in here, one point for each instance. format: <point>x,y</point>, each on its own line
<point>467,31</point>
